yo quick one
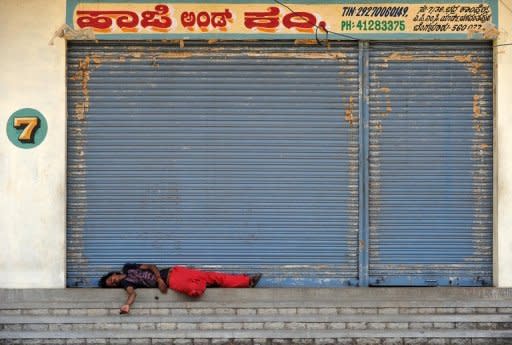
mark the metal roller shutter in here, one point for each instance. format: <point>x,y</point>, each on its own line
<point>430,164</point>
<point>234,157</point>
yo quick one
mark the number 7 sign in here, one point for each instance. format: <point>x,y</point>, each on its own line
<point>27,128</point>
<point>29,125</point>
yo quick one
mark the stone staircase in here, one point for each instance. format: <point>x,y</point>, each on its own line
<point>259,316</point>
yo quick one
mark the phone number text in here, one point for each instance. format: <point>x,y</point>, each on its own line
<point>373,25</point>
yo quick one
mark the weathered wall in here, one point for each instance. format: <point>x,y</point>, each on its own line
<point>32,181</point>
<point>503,151</point>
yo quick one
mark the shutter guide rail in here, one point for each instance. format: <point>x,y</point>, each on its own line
<point>363,165</point>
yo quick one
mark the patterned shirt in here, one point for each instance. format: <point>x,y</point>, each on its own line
<point>138,278</point>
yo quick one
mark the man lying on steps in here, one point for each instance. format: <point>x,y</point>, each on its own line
<point>190,281</point>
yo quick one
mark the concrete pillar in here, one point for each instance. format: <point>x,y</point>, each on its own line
<point>503,150</point>
<point>33,181</point>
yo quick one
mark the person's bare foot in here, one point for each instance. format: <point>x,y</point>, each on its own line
<point>255,278</point>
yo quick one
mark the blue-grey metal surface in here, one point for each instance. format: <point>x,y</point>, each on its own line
<point>363,165</point>
<point>236,157</point>
<point>430,164</point>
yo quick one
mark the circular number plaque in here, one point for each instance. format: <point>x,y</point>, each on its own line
<point>27,128</point>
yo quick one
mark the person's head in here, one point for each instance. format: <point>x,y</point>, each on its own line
<point>111,280</point>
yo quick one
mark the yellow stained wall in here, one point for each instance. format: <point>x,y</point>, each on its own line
<point>503,150</point>
<point>32,182</point>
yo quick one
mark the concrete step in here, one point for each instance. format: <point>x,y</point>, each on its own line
<point>259,316</point>
<point>261,334</point>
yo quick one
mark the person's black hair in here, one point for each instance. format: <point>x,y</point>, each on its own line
<point>103,281</point>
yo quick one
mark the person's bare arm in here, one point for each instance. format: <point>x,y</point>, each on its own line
<point>125,309</point>
<point>161,284</point>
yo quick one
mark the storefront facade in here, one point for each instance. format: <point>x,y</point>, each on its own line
<point>243,137</point>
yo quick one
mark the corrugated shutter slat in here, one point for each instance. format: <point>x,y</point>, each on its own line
<point>231,157</point>
<point>430,165</point>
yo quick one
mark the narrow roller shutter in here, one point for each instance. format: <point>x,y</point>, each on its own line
<point>229,157</point>
<point>430,166</point>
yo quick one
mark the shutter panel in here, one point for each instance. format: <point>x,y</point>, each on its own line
<point>230,157</point>
<point>430,164</point>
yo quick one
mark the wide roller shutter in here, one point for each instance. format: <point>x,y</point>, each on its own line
<point>430,164</point>
<point>230,157</point>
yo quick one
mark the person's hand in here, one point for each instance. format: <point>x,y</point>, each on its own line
<point>125,309</point>
<point>161,285</point>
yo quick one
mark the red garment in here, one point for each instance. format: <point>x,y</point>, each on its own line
<point>193,282</point>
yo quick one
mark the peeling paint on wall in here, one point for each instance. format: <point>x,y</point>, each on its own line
<point>83,75</point>
<point>305,42</point>
<point>174,55</point>
<point>349,112</point>
<point>210,52</point>
<point>477,112</point>
<point>489,31</point>
<point>399,57</point>
<point>323,55</point>
<point>472,64</point>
